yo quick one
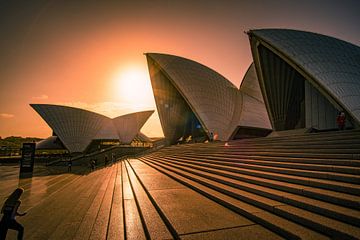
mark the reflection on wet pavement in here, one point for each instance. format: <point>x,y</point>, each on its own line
<point>41,183</point>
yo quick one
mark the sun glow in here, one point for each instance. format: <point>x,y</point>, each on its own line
<point>132,86</point>
<point>131,90</point>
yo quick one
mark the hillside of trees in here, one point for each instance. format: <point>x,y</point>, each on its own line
<point>16,142</point>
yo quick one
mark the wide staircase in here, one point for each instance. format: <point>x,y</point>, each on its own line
<point>293,187</point>
<point>302,186</point>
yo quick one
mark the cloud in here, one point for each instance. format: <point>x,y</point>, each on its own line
<point>41,97</point>
<point>6,115</point>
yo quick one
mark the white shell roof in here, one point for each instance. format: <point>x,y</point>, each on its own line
<point>129,125</point>
<point>253,110</point>
<point>213,98</point>
<point>76,127</point>
<point>51,142</point>
<point>333,63</point>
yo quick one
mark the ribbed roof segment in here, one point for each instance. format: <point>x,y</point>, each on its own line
<point>211,96</point>
<point>333,64</point>
<point>253,110</point>
<point>129,125</point>
<point>76,128</point>
<point>217,103</point>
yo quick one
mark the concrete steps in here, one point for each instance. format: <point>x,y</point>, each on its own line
<point>297,186</point>
<point>322,161</point>
<point>281,226</point>
<point>267,173</point>
<point>325,225</point>
<point>328,166</point>
<point>154,225</point>
<point>293,187</point>
<point>128,200</point>
<point>310,172</point>
<point>330,210</point>
<point>179,227</point>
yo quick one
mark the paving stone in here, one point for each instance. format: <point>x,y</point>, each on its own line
<point>188,211</point>
<point>133,224</point>
<point>154,223</point>
<point>245,232</point>
<point>116,220</point>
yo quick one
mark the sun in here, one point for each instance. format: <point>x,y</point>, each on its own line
<point>132,85</point>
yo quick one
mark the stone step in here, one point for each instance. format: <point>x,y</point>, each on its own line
<point>343,187</point>
<point>292,154</point>
<point>321,135</point>
<point>86,227</point>
<point>290,150</point>
<point>321,194</point>
<point>324,144</point>
<point>338,198</point>
<point>116,228</point>
<point>308,138</point>
<point>345,152</point>
<point>153,222</point>
<point>134,226</point>
<point>239,147</point>
<point>275,223</point>
<point>322,224</point>
<point>264,150</point>
<point>332,176</point>
<point>298,141</point>
<point>305,166</point>
<point>330,210</point>
<point>320,161</point>
<point>190,213</point>
<point>100,226</point>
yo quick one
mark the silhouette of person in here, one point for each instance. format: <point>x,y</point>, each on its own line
<point>106,160</point>
<point>92,163</point>
<point>10,211</point>
<point>69,165</point>
<point>211,138</point>
<point>340,120</point>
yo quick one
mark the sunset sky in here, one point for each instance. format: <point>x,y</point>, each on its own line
<point>89,54</point>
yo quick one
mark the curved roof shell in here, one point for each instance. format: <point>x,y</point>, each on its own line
<point>51,142</point>
<point>129,125</point>
<point>76,128</point>
<point>215,101</point>
<point>253,110</point>
<point>330,64</point>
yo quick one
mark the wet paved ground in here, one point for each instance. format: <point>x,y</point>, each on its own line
<point>111,203</point>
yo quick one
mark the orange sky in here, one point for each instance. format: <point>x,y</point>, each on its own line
<point>80,53</point>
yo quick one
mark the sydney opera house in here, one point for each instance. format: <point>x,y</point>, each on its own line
<point>298,80</point>
<point>301,181</point>
<point>194,100</point>
<point>76,128</point>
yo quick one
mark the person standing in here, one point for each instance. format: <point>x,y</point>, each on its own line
<point>93,164</point>
<point>112,158</point>
<point>340,120</point>
<point>69,165</point>
<point>10,211</point>
<point>106,160</point>
<point>211,138</point>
